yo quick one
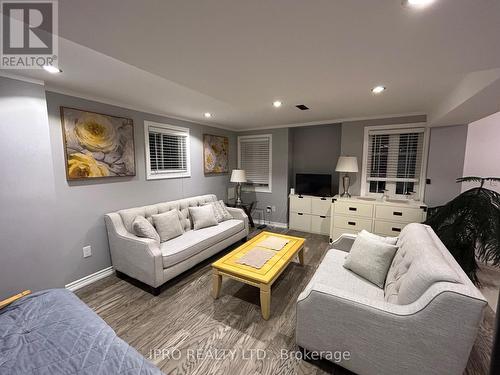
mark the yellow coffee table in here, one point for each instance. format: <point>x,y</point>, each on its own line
<point>261,278</point>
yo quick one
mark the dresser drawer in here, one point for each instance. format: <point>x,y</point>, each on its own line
<point>353,209</point>
<point>300,221</point>
<point>321,206</point>
<point>320,224</point>
<point>388,228</point>
<point>395,213</point>
<point>300,204</point>
<point>353,223</point>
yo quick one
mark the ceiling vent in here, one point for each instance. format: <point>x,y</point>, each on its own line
<point>302,107</point>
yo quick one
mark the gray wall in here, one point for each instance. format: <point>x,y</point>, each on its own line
<point>316,149</point>
<point>45,220</point>
<point>280,183</point>
<point>445,163</point>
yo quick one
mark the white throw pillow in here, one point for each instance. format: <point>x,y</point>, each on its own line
<point>168,225</point>
<point>203,216</point>
<point>143,228</point>
<point>370,258</point>
<point>220,210</point>
<point>389,240</point>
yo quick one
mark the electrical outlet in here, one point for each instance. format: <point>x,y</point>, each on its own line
<point>273,208</point>
<point>268,209</point>
<point>87,251</point>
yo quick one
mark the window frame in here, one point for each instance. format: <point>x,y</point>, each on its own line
<point>172,130</point>
<point>398,129</point>
<point>252,188</point>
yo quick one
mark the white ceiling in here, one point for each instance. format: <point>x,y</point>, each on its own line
<point>235,57</point>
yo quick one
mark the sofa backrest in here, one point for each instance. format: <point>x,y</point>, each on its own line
<point>421,261</point>
<point>128,215</point>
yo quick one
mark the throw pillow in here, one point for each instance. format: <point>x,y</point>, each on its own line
<point>203,216</point>
<point>220,210</point>
<point>168,225</point>
<point>370,259</point>
<point>143,228</point>
<point>389,240</point>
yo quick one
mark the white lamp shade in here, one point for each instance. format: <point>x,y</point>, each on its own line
<point>347,164</point>
<point>238,175</point>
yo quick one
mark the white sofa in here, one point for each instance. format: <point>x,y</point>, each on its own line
<point>424,321</point>
<point>155,263</point>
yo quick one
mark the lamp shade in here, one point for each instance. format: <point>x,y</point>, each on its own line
<point>238,175</point>
<point>347,164</point>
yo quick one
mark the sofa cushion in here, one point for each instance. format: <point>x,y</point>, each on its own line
<point>221,212</point>
<point>143,228</point>
<point>370,258</point>
<point>417,265</point>
<point>168,225</point>
<point>193,242</point>
<point>389,240</point>
<point>203,216</point>
<point>331,272</point>
<point>128,215</point>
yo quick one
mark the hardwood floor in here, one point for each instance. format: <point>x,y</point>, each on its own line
<point>183,329</point>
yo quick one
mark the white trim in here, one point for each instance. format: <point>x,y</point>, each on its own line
<point>92,278</point>
<point>259,189</point>
<point>173,129</point>
<point>144,110</point>
<point>425,152</point>
<point>271,223</point>
<point>22,78</point>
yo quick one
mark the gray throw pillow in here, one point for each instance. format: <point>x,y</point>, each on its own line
<point>370,258</point>
<point>143,228</point>
<point>168,225</point>
<point>220,210</point>
<point>203,216</point>
<point>389,240</point>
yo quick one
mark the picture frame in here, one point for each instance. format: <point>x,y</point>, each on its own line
<point>215,154</point>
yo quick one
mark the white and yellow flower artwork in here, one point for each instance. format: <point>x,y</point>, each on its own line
<point>97,145</point>
<point>215,154</point>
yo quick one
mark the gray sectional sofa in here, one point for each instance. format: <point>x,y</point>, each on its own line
<point>155,263</point>
<point>424,321</point>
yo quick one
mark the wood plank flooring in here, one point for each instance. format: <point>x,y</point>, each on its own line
<point>183,329</point>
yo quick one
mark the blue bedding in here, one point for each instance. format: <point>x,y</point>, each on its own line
<point>53,332</point>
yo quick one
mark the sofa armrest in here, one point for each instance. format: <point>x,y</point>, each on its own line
<point>344,242</point>
<point>239,214</point>
<point>137,257</point>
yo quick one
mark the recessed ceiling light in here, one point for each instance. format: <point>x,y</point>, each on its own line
<point>52,69</point>
<point>277,104</point>
<point>207,114</point>
<point>417,3</point>
<point>378,89</point>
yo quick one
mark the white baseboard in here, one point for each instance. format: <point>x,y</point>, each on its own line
<point>271,223</point>
<point>84,281</point>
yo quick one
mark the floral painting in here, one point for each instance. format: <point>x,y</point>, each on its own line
<point>215,154</point>
<point>97,145</point>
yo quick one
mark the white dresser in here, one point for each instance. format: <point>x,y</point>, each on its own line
<point>310,214</point>
<point>386,218</point>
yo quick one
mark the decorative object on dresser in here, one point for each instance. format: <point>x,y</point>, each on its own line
<point>238,176</point>
<point>385,218</point>
<point>347,164</point>
<point>310,214</point>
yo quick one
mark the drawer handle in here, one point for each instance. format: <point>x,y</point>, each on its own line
<point>397,213</point>
<point>323,199</point>
<point>353,209</point>
<point>323,217</point>
<point>351,223</point>
<point>396,229</point>
<point>300,214</point>
<point>300,197</point>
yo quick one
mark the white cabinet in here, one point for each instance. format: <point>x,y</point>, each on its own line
<point>386,218</point>
<point>310,214</point>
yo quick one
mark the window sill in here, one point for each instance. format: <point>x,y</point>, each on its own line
<point>167,176</point>
<point>249,189</point>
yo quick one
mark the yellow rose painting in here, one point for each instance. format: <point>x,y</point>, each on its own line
<point>215,154</point>
<point>97,145</point>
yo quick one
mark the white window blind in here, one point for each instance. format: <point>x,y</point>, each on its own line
<point>167,151</point>
<point>394,160</point>
<point>254,157</point>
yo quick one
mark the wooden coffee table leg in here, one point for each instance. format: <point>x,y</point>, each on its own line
<point>265,300</point>
<point>216,283</point>
<point>301,256</point>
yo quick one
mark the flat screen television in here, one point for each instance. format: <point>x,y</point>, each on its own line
<point>319,185</point>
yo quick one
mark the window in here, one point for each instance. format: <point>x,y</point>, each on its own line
<point>255,157</point>
<point>394,160</point>
<point>167,151</point>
